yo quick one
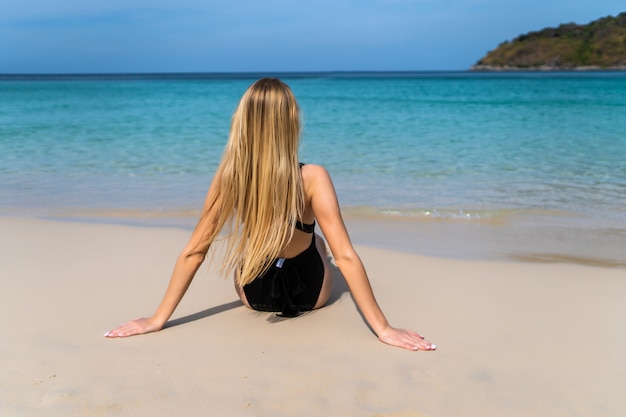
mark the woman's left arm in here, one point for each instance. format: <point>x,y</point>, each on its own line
<point>326,208</point>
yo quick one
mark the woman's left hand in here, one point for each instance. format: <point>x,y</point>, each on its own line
<point>405,339</point>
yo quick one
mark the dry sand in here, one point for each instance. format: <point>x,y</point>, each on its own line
<point>514,339</point>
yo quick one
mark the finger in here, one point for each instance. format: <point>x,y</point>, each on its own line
<point>120,331</point>
<point>422,344</point>
<point>408,342</point>
<point>116,334</point>
<point>426,346</point>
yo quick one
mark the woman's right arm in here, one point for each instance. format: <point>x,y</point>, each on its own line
<point>184,271</point>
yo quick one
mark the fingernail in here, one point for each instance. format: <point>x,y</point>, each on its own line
<point>433,346</point>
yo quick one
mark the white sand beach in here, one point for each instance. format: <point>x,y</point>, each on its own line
<point>514,338</point>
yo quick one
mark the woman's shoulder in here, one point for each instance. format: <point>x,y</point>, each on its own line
<point>314,177</point>
<point>311,173</point>
<point>313,169</point>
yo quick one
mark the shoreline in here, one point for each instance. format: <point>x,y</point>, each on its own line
<point>545,68</point>
<point>508,335</point>
<point>508,236</point>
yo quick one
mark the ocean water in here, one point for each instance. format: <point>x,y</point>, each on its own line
<point>544,153</point>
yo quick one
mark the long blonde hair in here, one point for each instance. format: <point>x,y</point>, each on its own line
<point>260,195</point>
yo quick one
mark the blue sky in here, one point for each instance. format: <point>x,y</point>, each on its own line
<point>78,36</point>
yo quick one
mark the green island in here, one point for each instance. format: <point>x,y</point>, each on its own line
<point>598,45</point>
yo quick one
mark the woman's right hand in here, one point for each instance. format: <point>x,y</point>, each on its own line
<point>134,327</point>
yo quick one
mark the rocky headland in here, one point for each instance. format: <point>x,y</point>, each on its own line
<point>598,45</point>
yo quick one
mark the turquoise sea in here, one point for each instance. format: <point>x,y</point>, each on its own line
<point>538,157</point>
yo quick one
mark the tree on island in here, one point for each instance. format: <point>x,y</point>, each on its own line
<point>600,44</point>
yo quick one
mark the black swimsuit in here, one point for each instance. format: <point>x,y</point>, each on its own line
<point>291,285</point>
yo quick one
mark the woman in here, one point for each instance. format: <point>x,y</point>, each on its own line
<point>268,204</point>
